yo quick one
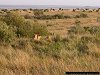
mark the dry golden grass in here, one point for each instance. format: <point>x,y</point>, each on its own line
<point>27,61</point>
<point>21,63</point>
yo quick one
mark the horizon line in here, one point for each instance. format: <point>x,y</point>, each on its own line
<point>50,5</point>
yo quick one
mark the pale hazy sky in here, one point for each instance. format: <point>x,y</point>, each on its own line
<point>51,2</point>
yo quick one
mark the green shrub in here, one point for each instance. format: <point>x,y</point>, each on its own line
<point>83,15</point>
<point>77,16</point>
<point>67,16</point>
<point>44,48</point>
<point>94,30</point>
<point>43,17</point>
<point>27,16</point>
<point>26,29</point>
<point>86,29</point>
<point>15,19</point>
<point>38,28</point>
<point>38,12</point>
<point>58,16</point>
<point>6,32</point>
<point>29,29</point>
<point>82,48</point>
<point>55,49</point>
<point>20,44</point>
<point>87,39</point>
<point>77,29</point>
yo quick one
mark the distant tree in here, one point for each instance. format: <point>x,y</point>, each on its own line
<point>60,8</point>
<point>24,9</point>
<point>74,10</point>
<point>30,9</point>
<point>4,10</point>
<point>97,10</point>
<point>46,10</point>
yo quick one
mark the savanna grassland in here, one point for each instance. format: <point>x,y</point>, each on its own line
<point>69,40</point>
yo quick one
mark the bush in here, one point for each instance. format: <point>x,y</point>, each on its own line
<point>94,30</point>
<point>67,16</point>
<point>87,39</point>
<point>6,32</point>
<point>15,19</point>
<point>27,16</point>
<point>82,48</point>
<point>26,29</point>
<point>20,44</point>
<point>58,16</point>
<point>22,27</point>
<point>38,12</point>
<point>77,29</point>
<point>38,28</point>
<point>77,16</point>
<point>43,17</point>
<point>83,15</point>
<point>29,29</point>
<point>55,49</point>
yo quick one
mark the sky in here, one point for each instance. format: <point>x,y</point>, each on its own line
<point>51,2</point>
